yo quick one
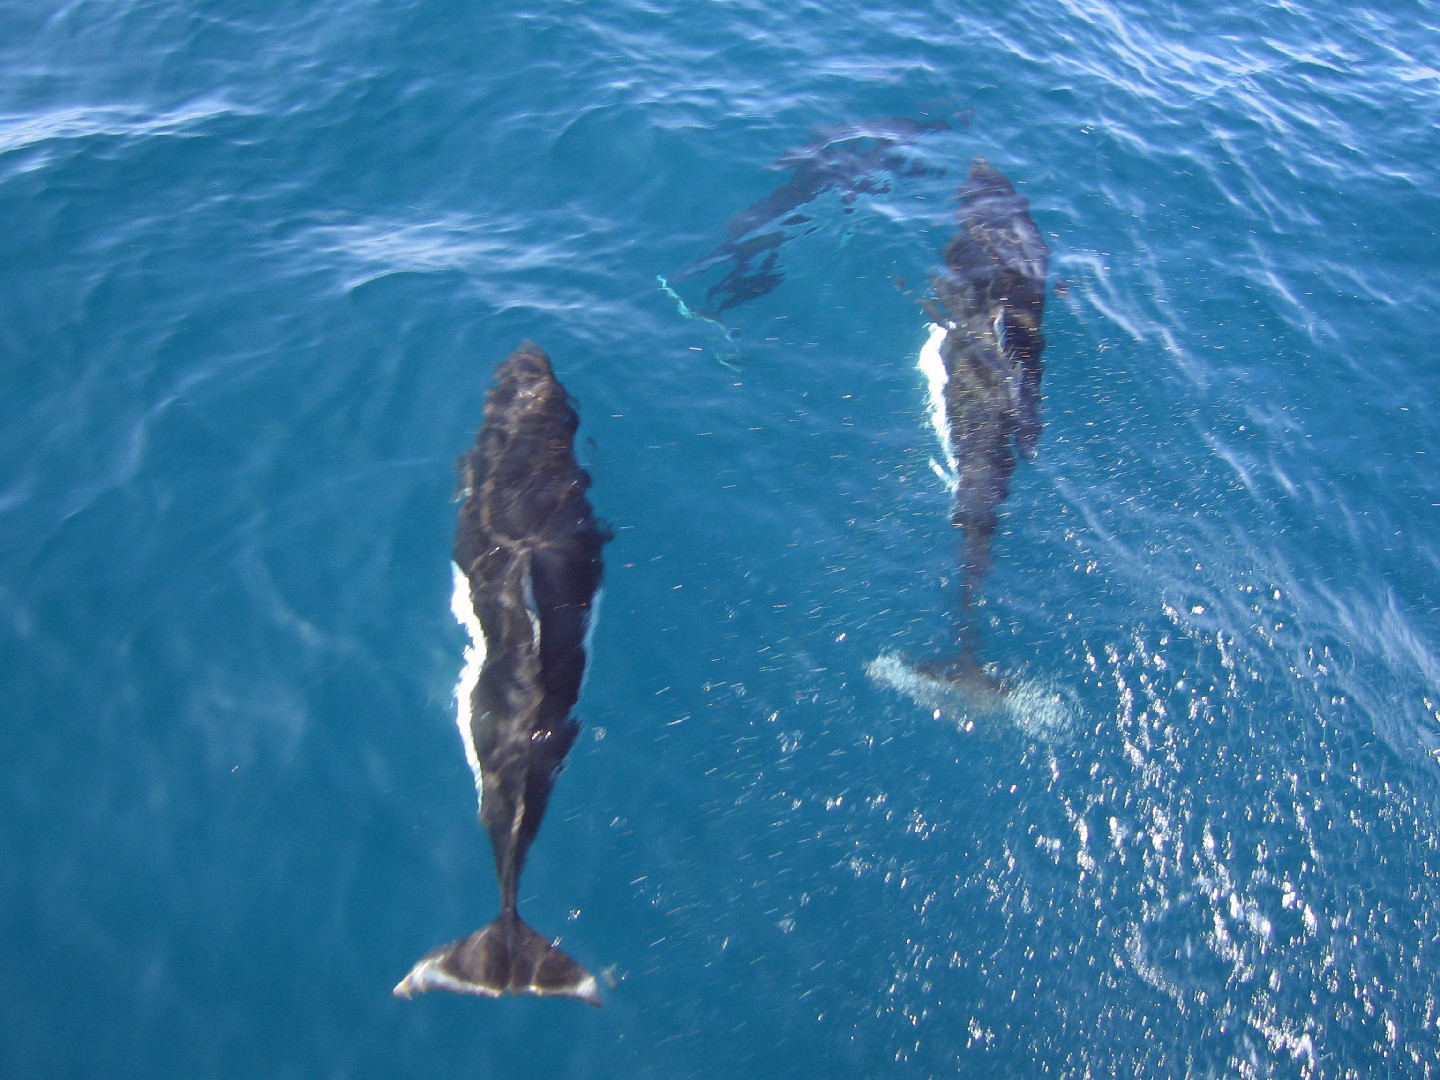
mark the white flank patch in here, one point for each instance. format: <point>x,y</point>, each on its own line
<point>465,615</point>
<point>933,367</point>
<point>1038,711</point>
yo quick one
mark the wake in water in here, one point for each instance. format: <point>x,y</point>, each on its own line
<point>980,701</point>
<point>729,358</point>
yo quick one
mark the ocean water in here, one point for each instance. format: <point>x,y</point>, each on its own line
<point>259,262</point>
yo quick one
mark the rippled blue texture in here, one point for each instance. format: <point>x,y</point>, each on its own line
<point>259,261</point>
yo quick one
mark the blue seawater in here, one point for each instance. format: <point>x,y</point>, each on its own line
<point>259,262</point>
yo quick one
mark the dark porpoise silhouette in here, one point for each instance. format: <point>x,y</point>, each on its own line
<point>527,568</point>
<point>855,160</point>
<point>983,359</point>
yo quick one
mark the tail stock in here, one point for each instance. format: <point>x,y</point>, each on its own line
<point>507,957</point>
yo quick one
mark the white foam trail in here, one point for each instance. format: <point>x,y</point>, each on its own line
<point>933,367</point>
<point>1035,708</point>
<point>464,611</point>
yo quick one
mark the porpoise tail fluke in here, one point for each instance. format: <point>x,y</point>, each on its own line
<point>507,957</point>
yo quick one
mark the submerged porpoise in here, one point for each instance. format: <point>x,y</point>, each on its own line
<point>858,159</point>
<point>527,570</point>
